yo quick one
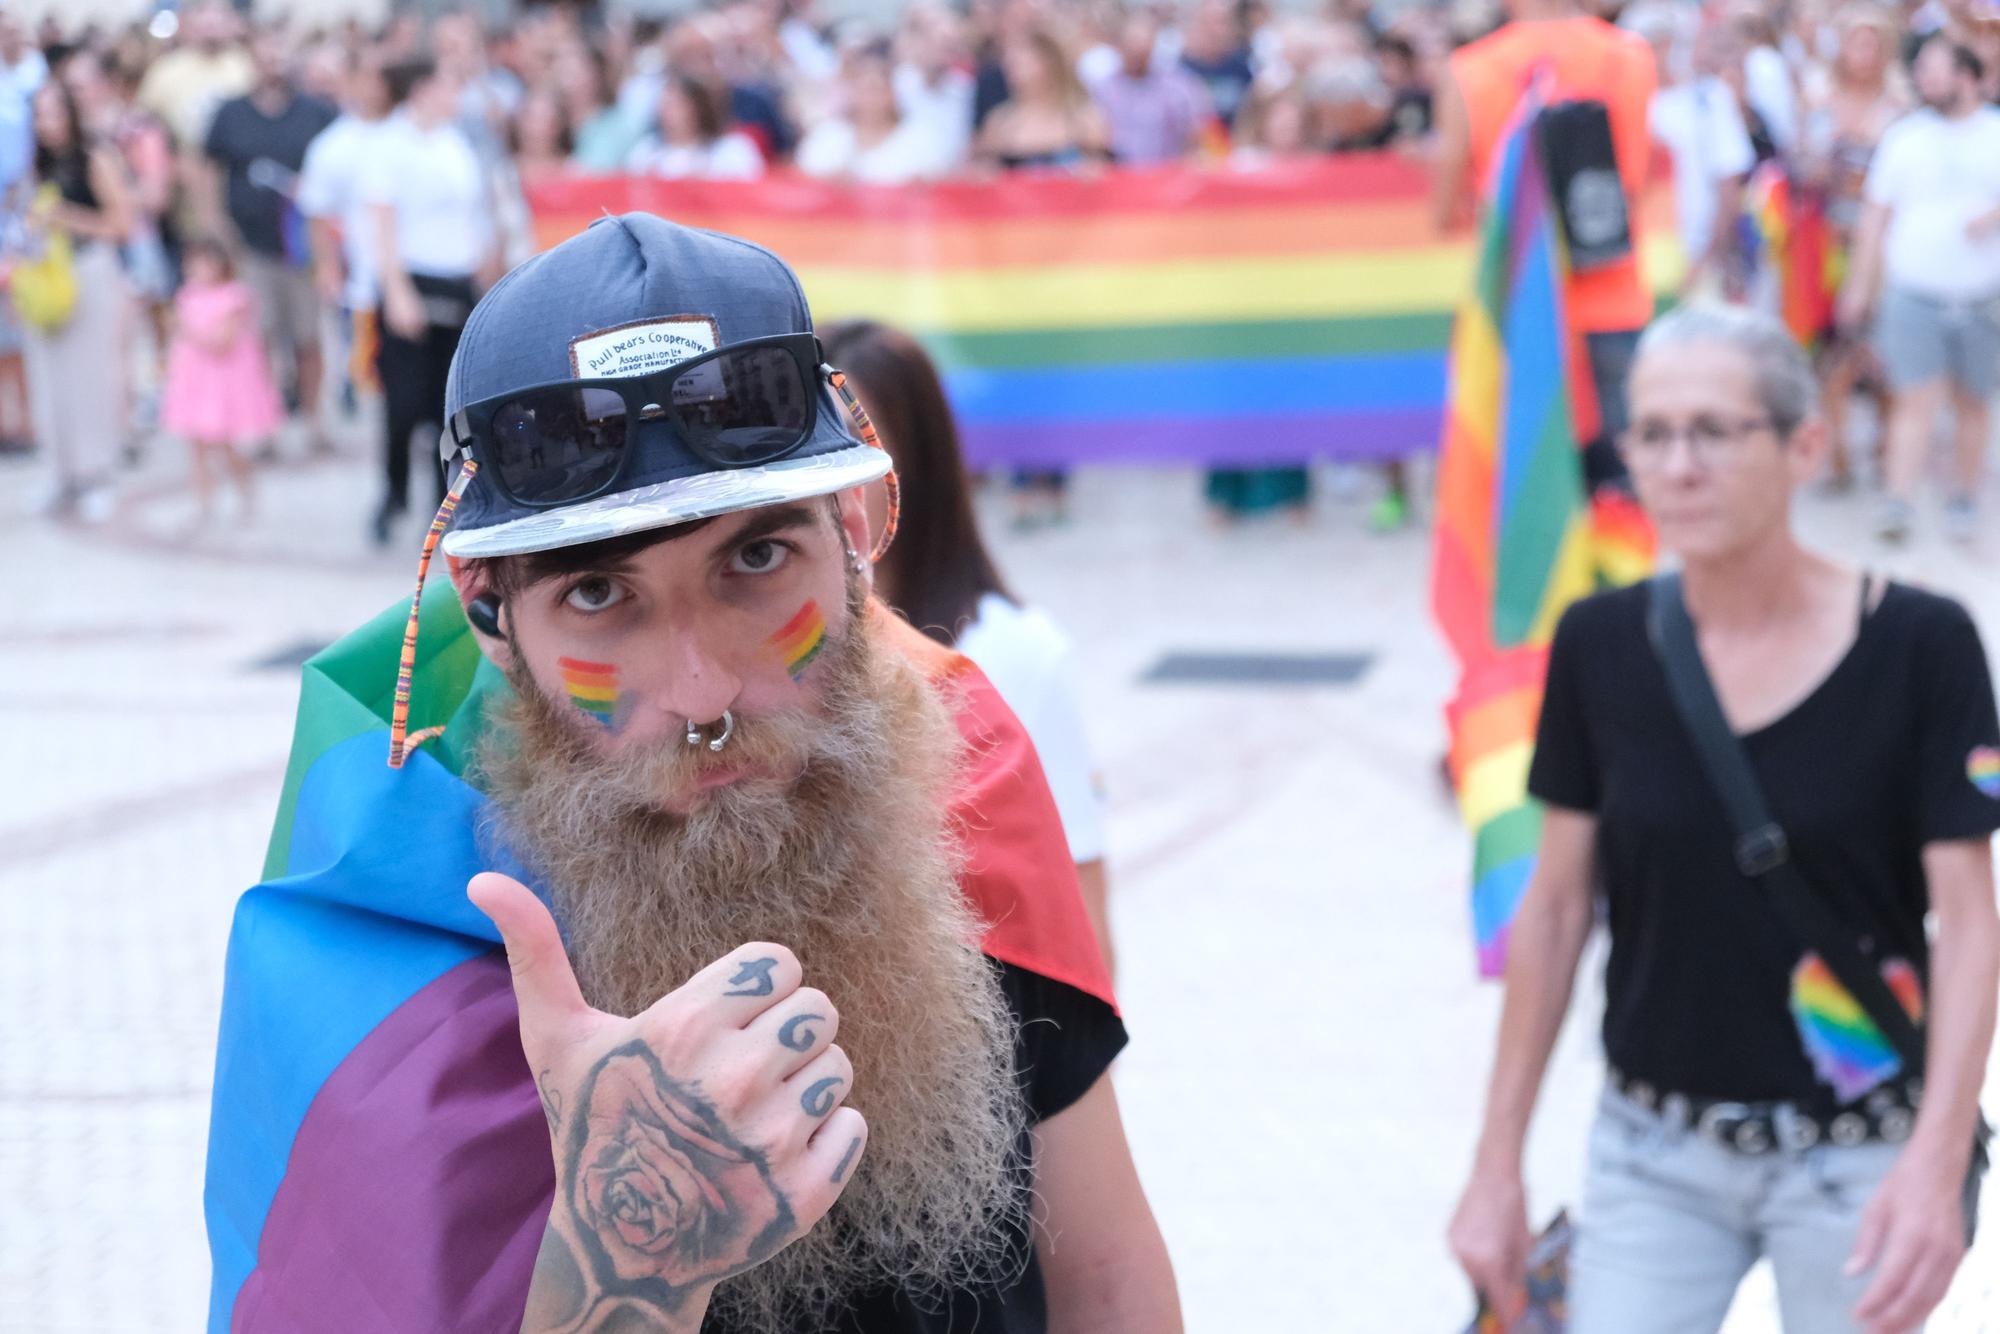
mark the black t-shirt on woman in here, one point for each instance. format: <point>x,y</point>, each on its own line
<point>1898,747</point>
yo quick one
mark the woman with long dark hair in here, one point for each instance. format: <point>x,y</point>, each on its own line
<point>940,576</point>
<point>75,357</point>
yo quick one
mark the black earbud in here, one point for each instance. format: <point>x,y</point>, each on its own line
<point>484,613</point>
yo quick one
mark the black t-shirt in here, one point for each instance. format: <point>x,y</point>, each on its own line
<point>1065,1041</point>
<point>261,156</point>
<point>1898,747</point>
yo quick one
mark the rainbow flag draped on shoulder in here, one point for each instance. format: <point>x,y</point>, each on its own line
<point>1517,538</point>
<point>378,1157</point>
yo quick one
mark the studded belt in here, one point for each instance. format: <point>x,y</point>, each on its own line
<point>1884,1116</point>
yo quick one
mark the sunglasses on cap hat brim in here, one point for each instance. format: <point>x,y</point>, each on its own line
<point>567,441</point>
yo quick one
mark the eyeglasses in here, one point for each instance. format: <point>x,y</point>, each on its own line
<point>570,440</point>
<point>1709,439</point>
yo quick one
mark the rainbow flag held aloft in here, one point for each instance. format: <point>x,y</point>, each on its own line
<point>1517,539</point>
<point>1197,315</point>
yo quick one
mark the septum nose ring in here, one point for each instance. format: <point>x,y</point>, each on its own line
<point>716,745</point>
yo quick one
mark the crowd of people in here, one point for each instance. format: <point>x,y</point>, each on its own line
<point>367,185</point>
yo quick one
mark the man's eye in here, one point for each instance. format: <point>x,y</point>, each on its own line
<point>760,557</point>
<point>1707,431</point>
<point>593,594</point>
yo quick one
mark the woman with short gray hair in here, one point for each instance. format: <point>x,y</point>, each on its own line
<point>1755,1106</point>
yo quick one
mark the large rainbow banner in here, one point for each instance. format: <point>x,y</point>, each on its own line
<point>1198,315</point>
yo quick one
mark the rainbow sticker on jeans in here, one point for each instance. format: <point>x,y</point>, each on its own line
<point>592,686</point>
<point>1847,1050</point>
<point>1982,766</point>
<point>801,639</point>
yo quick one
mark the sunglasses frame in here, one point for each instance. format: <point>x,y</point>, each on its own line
<point>647,397</point>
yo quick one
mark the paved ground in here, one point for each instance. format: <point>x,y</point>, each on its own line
<point>1288,887</point>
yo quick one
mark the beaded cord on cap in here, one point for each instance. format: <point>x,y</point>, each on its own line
<point>869,438</point>
<point>401,740</point>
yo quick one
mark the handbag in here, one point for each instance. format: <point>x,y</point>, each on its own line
<point>1764,857</point>
<point>42,282</point>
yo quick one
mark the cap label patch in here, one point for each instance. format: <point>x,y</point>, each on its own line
<point>641,346</point>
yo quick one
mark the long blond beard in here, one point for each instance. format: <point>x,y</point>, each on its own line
<point>853,866</point>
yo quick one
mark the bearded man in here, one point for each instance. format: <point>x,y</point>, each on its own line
<point>823,1011</point>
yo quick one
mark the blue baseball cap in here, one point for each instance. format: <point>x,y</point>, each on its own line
<point>628,296</point>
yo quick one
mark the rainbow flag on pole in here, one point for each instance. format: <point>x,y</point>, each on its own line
<point>1514,540</point>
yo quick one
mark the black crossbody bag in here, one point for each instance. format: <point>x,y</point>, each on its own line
<point>1763,855</point>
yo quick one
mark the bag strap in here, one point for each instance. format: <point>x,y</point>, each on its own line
<point>1762,853</point>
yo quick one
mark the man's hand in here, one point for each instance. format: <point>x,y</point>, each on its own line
<point>1489,1236</point>
<point>403,311</point>
<point>691,1142</point>
<point>1913,1236</point>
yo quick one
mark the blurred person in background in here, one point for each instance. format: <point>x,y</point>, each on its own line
<point>487,93</point>
<point>1409,87</point>
<point>259,142</point>
<point>341,225</point>
<point>1216,49</point>
<point>219,397</point>
<point>205,67</point>
<point>1848,111</point>
<point>1928,246</point>
<point>22,64</point>
<point>1697,120</point>
<point>1750,1111</point>
<point>539,141</point>
<point>103,96</point>
<point>692,138</point>
<point>1586,59</point>
<point>432,224</point>
<point>749,104</point>
<point>1048,122</point>
<point>1351,106</point>
<point>602,135</point>
<point>1154,110</point>
<point>76,368</point>
<point>1769,85</point>
<point>869,140</point>
<point>1973,24</point>
<point>940,576</point>
<point>1274,125</point>
<point>17,160</point>
<point>933,79</point>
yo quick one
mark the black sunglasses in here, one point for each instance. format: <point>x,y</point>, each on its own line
<point>570,440</point>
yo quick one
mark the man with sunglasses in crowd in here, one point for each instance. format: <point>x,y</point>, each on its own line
<point>804,1006</point>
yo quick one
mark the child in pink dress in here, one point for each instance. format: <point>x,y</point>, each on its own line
<point>219,392</point>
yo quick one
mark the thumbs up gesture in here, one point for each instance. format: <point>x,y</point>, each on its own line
<point>692,1141</point>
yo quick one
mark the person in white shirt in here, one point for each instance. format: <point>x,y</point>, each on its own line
<point>939,575</point>
<point>691,138</point>
<point>933,81</point>
<point>1929,244</point>
<point>431,220</point>
<point>330,199</point>
<point>869,140</point>
<point>1697,121</point>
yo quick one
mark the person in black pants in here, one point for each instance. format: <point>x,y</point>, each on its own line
<point>429,193</point>
<point>1753,1109</point>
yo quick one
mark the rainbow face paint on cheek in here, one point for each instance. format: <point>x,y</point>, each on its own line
<point>592,686</point>
<point>801,639</point>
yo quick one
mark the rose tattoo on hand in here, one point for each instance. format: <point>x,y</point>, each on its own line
<point>662,1197</point>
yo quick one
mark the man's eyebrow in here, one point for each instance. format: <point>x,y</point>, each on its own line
<point>764,523</point>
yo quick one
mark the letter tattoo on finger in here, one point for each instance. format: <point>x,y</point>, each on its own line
<point>795,1036</point>
<point>818,1100</point>
<point>754,976</point>
<point>846,1160</point>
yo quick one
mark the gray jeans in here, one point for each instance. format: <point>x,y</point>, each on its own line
<point>1672,1222</point>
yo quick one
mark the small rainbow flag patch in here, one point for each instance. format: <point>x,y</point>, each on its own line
<point>1847,1050</point>
<point>592,686</point>
<point>801,639</point>
<point>1982,766</point>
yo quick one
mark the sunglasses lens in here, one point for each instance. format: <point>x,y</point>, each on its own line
<point>743,407</point>
<point>558,444</point>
